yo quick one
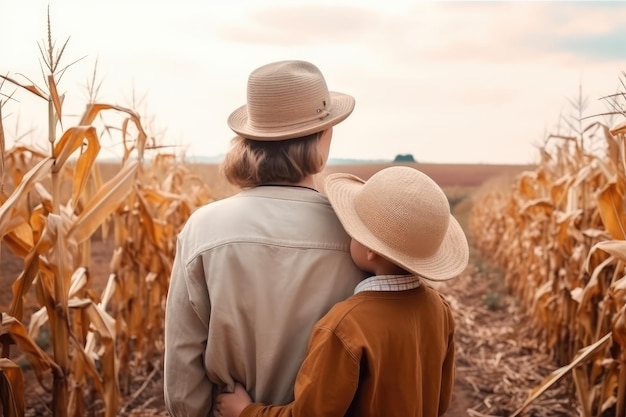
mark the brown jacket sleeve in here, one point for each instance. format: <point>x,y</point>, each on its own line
<point>325,385</point>
<point>448,369</point>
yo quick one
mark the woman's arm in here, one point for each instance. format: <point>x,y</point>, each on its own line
<point>187,389</point>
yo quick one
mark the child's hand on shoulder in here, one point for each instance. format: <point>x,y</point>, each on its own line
<point>231,404</point>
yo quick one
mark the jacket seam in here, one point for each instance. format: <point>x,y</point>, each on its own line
<point>341,339</point>
<point>269,242</point>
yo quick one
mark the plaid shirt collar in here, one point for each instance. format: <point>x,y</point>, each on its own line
<point>388,283</point>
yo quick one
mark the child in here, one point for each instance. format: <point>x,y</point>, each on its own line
<point>388,350</point>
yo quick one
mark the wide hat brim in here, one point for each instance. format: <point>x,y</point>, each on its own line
<point>341,107</point>
<point>449,260</point>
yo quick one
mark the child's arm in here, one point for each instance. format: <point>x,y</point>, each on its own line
<point>231,404</point>
<point>325,385</point>
<point>448,369</point>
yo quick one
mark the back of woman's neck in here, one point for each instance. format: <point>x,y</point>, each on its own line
<point>306,182</point>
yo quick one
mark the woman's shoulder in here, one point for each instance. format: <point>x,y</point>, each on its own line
<point>216,206</point>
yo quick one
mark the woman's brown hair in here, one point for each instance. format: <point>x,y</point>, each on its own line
<point>251,162</point>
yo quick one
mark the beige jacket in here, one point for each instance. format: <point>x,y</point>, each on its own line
<point>376,354</point>
<point>252,275</point>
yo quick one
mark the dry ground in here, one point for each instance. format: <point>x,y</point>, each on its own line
<point>497,361</point>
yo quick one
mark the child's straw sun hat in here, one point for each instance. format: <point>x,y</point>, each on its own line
<point>403,215</point>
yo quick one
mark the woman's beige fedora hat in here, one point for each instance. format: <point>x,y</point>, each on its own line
<point>403,215</point>
<point>286,100</point>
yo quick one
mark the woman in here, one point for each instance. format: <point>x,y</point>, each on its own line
<point>255,271</point>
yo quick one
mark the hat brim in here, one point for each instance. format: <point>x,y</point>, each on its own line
<point>342,106</point>
<point>446,263</point>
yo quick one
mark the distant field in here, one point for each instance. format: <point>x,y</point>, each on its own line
<point>448,176</point>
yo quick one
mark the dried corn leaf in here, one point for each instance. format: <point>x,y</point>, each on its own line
<point>108,292</point>
<point>539,205</point>
<point>582,355</point>
<point>37,320</point>
<point>22,285</point>
<point>582,389</point>
<point>33,176</point>
<point>84,360</point>
<point>619,328</point>
<point>62,261</point>
<point>559,189</point>
<point>611,210</point>
<point>617,291</point>
<point>46,197</point>
<point>619,128</point>
<point>2,151</point>
<point>20,238</point>
<point>79,282</point>
<point>590,291</point>
<point>104,325</point>
<point>38,359</point>
<point>609,173</point>
<point>566,232</point>
<point>619,335</point>
<point>584,173</point>
<point>105,202</point>
<point>54,96</point>
<point>615,248</point>
<point>33,89</point>
<point>31,269</point>
<point>526,185</point>
<point>95,108</point>
<point>71,140</point>
<point>609,386</point>
<point>11,389</point>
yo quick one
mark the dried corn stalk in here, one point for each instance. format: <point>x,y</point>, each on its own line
<point>558,235</point>
<point>52,205</point>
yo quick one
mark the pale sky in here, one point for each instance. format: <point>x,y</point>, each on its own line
<point>449,82</point>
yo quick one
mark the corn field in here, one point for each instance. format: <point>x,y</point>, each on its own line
<point>52,204</point>
<point>559,236</point>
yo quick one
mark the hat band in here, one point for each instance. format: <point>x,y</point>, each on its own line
<point>321,114</point>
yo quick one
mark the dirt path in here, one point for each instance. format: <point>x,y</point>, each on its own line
<point>497,360</point>
<point>498,357</point>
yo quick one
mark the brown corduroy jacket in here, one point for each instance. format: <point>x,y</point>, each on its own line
<point>376,354</point>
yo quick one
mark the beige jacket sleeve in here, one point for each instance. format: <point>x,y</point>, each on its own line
<point>187,389</point>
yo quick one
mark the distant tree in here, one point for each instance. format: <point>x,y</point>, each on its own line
<point>404,158</point>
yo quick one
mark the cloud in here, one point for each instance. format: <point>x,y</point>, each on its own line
<point>585,31</point>
<point>505,32</point>
<point>304,25</point>
<point>609,46</point>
